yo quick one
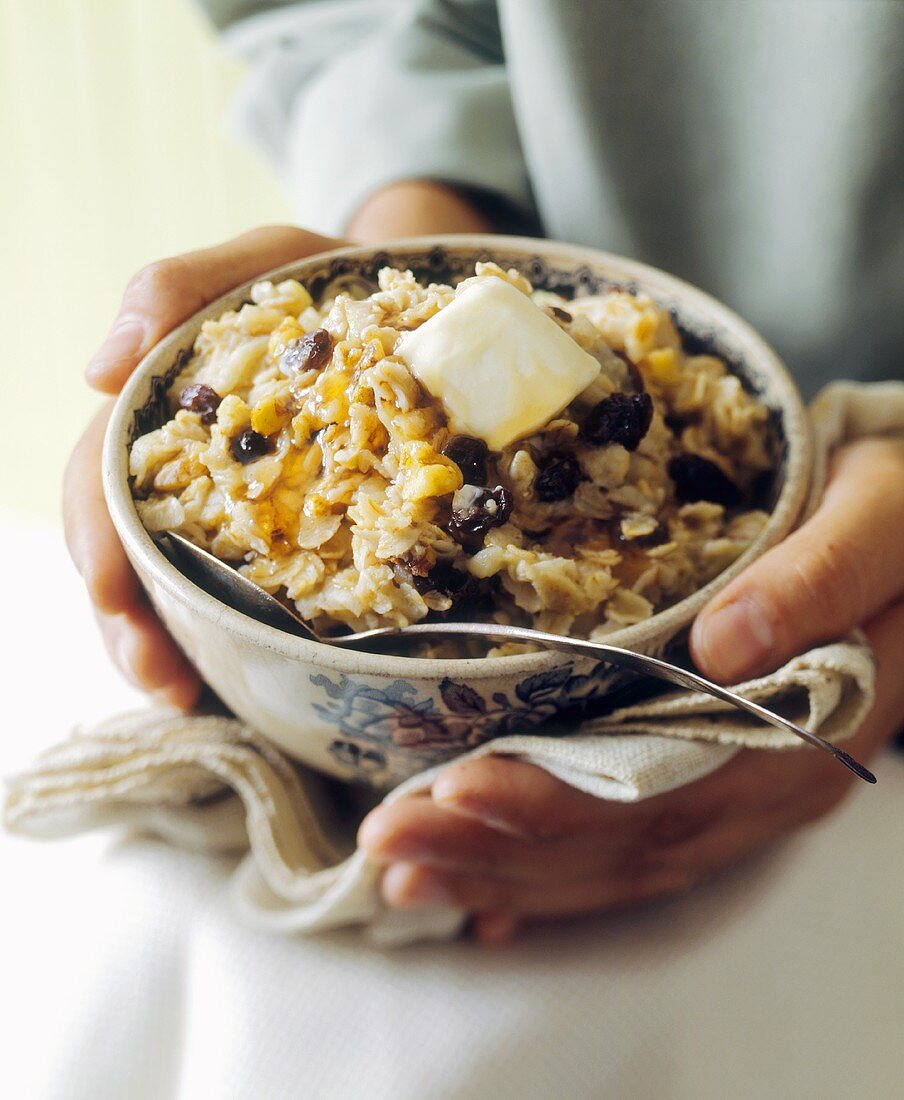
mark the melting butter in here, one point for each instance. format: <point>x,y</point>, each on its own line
<point>498,364</point>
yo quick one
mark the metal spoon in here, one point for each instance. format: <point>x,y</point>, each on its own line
<point>242,594</point>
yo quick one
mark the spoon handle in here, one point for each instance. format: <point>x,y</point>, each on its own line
<point>625,658</point>
<point>232,588</point>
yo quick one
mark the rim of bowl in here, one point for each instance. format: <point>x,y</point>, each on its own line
<point>139,544</point>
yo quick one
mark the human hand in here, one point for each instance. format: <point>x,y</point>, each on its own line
<point>156,300</point>
<point>509,842</point>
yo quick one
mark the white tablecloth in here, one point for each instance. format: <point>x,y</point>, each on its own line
<point>131,976</point>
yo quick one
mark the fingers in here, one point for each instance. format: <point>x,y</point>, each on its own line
<point>657,848</point>
<point>411,885</point>
<point>164,294</point>
<point>505,841</point>
<point>495,929</point>
<point>885,634</point>
<point>532,826</point>
<point>140,647</point>
<point>519,799</point>
<point>135,639</point>
<point>527,803</point>
<point>617,840</point>
<point>667,850</point>
<point>417,830</point>
<point>838,570</point>
<point>90,535</point>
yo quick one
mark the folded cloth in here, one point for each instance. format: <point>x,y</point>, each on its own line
<point>212,782</point>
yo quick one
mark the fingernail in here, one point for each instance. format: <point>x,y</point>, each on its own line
<point>496,929</point>
<point>488,817</point>
<point>462,802</point>
<point>404,848</point>
<point>174,695</point>
<point>124,663</point>
<point>124,341</point>
<point>181,693</point>
<point>369,830</point>
<point>428,888</point>
<point>391,848</point>
<point>736,640</point>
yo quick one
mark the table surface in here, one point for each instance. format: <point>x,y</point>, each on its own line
<point>126,971</point>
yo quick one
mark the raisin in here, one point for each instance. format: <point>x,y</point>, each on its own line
<point>760,491</point>
<point>470,456</point>
<point>696,478</point>
<point>309,352</point>
<point>248,445</point>
<point>201,399</point>
<point>622,418</point>
<point>676,424</point>
<point>475,510</point>
<point>443,578</point>
<point>417,563</point>
<point>457,584</point>
<point>557,479</point>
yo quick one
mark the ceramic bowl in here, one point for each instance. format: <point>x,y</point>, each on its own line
<point>377,718</point>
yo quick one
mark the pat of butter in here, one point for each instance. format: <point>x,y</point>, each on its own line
<point>499,365</point>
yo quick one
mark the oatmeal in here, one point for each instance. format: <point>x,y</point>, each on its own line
<point>374,470</point>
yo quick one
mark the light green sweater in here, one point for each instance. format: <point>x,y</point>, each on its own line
<point>754,147</point>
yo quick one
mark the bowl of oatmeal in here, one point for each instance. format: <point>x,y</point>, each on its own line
<point>482,428</point>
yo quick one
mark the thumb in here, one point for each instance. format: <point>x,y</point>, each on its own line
<point>838,570</point>
<point>164,294</point>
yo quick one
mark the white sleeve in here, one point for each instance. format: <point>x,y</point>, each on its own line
<point>347,96</point>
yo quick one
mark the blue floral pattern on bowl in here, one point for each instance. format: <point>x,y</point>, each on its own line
<point>385,729</point>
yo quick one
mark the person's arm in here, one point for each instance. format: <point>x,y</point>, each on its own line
<point>414,208</point>
<point>346,99</point>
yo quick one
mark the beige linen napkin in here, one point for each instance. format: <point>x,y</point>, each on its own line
<point>213,783</point>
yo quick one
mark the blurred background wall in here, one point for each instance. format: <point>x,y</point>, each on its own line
<point>114,151</point>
